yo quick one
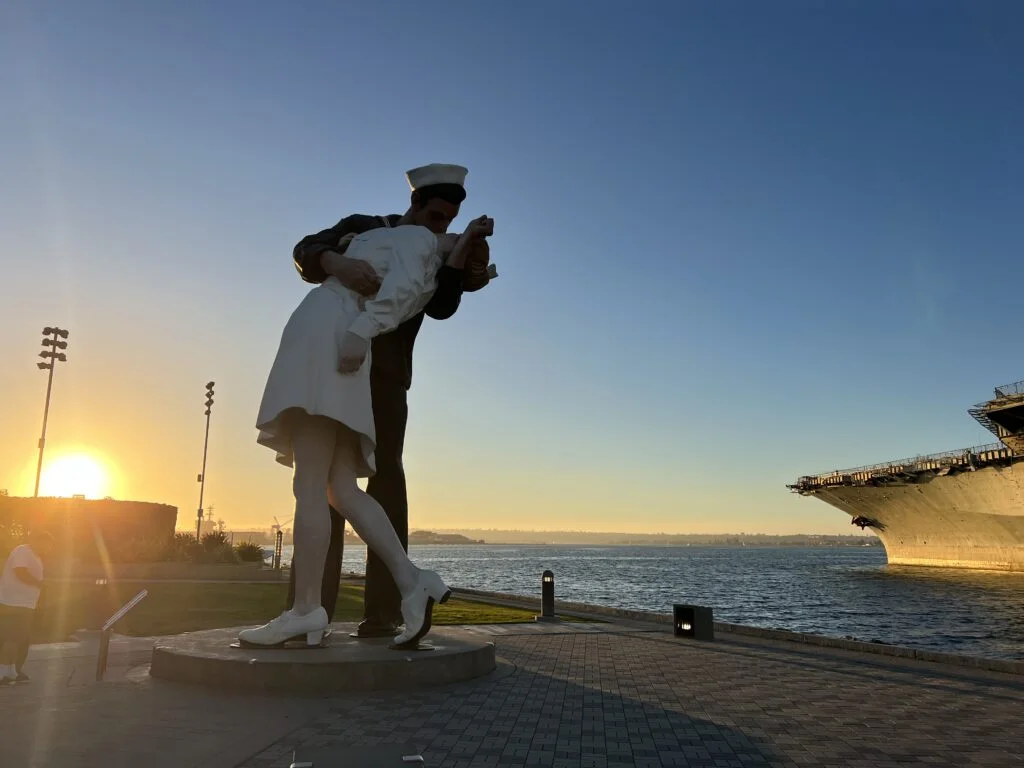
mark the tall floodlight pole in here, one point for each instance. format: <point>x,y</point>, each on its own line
<point>51,354</point>
<point>202,475</point>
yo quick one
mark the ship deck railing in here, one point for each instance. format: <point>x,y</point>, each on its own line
<point>1010,390</point>
<point>966,457</point>
<point>1006,395</point>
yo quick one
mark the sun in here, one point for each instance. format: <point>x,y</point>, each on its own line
<point>73,475</point>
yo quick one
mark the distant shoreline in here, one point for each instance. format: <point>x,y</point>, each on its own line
<point>724,542</point>
<point>615,539</point>
<point>582,539</point>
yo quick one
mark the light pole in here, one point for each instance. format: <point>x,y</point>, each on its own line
<point>51,356</point>
<point>202,475</point>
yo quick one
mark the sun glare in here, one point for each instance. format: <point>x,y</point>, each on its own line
<point>74,474</point>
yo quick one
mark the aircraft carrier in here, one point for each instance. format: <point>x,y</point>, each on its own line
<point>958,509</point>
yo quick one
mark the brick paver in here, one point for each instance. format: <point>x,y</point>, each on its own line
<point>65,719</point>
<point>580,696</point>
<point>603,699</point>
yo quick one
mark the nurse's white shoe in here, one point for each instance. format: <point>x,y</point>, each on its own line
<point>418,607</point>
<point>286,627</point>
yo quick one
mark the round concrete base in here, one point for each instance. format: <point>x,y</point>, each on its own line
<point>344,665</point>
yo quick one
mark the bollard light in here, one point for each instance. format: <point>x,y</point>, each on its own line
<point>547,597</point>
<point>693,621</point>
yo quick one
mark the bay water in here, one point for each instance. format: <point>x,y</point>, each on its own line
<point>833,591</point>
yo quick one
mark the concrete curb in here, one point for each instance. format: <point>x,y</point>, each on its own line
<point>583,610</point>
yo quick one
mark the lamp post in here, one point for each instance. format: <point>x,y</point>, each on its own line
<point>52,343</point>
<point>202,475</point>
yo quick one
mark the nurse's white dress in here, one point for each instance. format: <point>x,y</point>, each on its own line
<point>305,372</point>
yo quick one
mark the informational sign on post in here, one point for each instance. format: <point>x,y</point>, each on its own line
<point>124,609</point>
<point>101,661</point>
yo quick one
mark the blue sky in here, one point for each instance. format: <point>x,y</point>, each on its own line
<point>738,242</point>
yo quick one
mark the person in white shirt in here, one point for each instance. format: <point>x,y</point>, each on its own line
<point>316,415</point>
<point>20,584</point>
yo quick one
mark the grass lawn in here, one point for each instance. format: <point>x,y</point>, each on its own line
<point>174,607</point>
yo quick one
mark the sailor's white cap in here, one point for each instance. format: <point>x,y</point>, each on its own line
<point>436,173</point>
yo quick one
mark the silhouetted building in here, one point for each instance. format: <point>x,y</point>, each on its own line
<point>88,529</point>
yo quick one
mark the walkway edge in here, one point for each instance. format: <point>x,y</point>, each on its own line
<point>583,610</point>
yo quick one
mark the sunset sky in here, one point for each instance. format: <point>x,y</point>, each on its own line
<point>738,242</point>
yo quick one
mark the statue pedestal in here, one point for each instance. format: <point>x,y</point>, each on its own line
<point>343,665</point>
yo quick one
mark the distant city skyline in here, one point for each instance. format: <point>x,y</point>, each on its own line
<point>737,244</point>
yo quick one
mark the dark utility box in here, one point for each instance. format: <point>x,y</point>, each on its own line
<point>693,621</point>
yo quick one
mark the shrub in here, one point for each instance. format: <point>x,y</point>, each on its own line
<point>149,549</point>
<point>140,550</point>
<point>183,549</point>
<point>216,549</point>
<point>248,552</point>
<point>214,540</point>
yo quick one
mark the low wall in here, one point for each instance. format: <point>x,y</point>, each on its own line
<point>665,620</point>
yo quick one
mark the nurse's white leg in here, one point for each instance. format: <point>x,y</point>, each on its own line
<point>420,589</point>
<point>313,439</point>
<point>313,445</point>
<point>366,516</point>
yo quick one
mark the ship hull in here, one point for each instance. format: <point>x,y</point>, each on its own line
<point>963,520</point>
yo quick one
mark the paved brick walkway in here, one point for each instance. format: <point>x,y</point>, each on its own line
<point>563,696</point>
<point>65,719</point>
<point>603,699</point>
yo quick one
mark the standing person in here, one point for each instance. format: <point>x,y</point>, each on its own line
<point>20,584</point>
<point>438,191</point>
<point>317,416</point>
